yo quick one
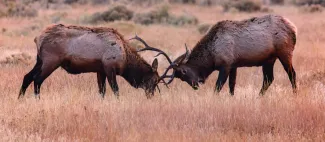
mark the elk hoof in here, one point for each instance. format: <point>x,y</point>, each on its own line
<point>20,95</point>
<point>37,96</point>
<point>103,95</point>
<point>195,87</point>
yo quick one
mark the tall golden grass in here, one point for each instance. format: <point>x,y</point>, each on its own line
<point>70,108</point>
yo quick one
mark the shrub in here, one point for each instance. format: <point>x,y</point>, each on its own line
<point>182,20</point>
<point>162,16</point>
<point>96,2</point>
<point>312,8</point>
<point>310,2</point>
<point>22,11</point>
<point>113,14</point>
<point>70,1</point>
<point>204,28</point>
<point>183,1</point>
<point>144,2</point>
<point>19,58</point>
<point>199,2</point>
<point>243,6</point>
<point>278,2</point>
<point>157,16</point>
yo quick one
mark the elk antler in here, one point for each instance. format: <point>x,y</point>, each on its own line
<point>160,52</point>
<point>173,64</point>
<point>147,47</point>
<point>185,54</point>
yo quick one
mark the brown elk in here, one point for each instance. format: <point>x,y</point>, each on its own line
<point>82,49</point>
<point>258,41</point>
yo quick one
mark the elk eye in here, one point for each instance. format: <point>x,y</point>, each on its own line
<point>184,71</point>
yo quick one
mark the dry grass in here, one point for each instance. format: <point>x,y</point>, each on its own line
<point>70,108</point>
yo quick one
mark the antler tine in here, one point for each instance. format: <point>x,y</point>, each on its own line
<point>158,88</point>
<point>158,54</point>
<point>171,78</point>
<point>186,48</point>
<point>168,76</point>
<point>184,56</point>
<point>147,47</point>
<point>166,84</point>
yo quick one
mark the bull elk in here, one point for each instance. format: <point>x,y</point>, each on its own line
<point>258,41</point>
<point>82,49</point>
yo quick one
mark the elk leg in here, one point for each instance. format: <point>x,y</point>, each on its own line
<point>111,77</point>
<point>29,77</point>
<point>232,80</point>
<point>222,78</point>
<point>287,65</point>
<point>47,69</point>
<point>101,83</point>
<point>268,76</point>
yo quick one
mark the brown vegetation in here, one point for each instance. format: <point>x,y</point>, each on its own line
<point>71,110</point>
<point>16,58</point>
<point>312,8</point>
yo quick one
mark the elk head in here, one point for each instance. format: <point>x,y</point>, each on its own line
<point>150,80</point>
<point>184,71</point>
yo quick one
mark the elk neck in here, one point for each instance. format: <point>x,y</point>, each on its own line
<point>136,69</point>
<point>200,61</point>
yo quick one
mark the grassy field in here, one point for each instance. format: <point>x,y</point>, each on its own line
<point>70,108</point>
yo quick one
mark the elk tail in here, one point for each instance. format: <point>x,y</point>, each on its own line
<point>37,45</point>
<point>38,57</point>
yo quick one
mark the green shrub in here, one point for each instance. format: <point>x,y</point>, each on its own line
<point>183,20</point>
<point>243,6</point>
<point>162,16</point>
<point>97,2</point>
<point>157,16</point>
<point>113,14</point>
<point>278,2</point>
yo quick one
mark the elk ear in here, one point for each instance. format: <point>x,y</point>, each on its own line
<point>154,65</point>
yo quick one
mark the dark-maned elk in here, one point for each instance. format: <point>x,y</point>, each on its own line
<point>81,49</point>
<point>228,45</point>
